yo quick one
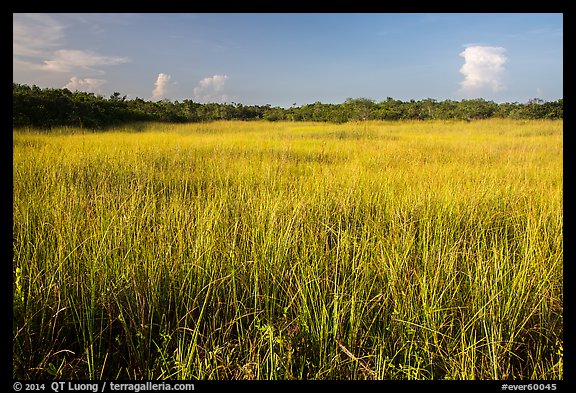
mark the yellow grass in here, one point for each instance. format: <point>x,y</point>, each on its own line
<point>387,250</point>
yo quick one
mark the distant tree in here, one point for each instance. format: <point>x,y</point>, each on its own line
<point>360,108</point>
<point>476,109</point>
<point>46,108</point>
<point>116,97</point>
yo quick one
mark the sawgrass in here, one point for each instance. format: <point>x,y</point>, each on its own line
<point>256,250</point>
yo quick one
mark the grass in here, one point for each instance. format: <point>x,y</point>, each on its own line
<point>254,250</point>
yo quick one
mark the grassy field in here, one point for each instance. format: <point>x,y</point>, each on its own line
<point>255,250</point>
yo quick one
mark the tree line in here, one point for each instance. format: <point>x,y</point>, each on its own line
<point>37,107</point>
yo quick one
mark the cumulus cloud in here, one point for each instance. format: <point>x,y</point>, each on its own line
<point>483,69</point>
<point>65,60</point>
<point>161,86</point>
<point>85,84</point>
<point>211,88</point>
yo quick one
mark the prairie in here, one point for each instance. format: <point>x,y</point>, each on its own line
<point>287,250</point>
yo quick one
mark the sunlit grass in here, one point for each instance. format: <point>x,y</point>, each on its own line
<point>231,250</point>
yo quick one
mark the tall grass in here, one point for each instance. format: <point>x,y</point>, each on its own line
<point>233,250</point>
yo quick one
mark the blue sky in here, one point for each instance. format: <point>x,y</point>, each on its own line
<point>282,59</point>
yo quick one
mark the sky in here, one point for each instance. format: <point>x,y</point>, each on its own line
<point>285,59</point>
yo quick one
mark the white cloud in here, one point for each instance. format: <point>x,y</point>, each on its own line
<point>161,86</point>
<point>87,84</point>
<point>34,34</point>
<point>211,88</point>
<point>483,69</point>
<point>66,60</point>
<point>39,46</point>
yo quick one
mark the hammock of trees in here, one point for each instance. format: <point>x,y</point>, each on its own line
<point>48,107</point>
